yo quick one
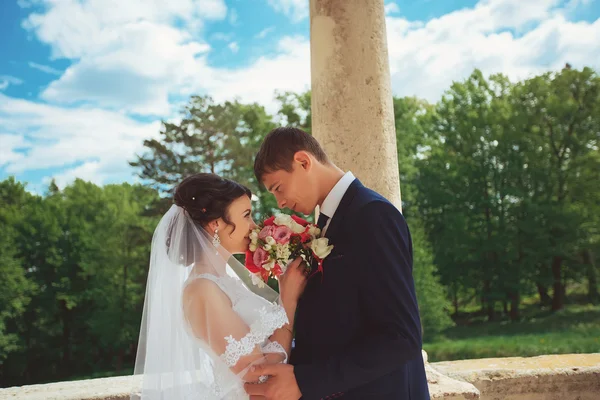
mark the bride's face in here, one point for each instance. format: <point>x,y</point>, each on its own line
<point>234,236</point>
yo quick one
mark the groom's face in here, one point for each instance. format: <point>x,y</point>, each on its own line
<point>293,190</point>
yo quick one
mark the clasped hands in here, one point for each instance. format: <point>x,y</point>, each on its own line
<point>281,384</point>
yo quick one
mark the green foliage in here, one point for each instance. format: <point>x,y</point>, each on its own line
<point>434,306</point>
<point>73,272</point>
<point>294,109</point>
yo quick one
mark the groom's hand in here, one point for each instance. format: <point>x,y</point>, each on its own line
<point>281,385</point>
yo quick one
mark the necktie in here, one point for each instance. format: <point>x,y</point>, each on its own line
<point>322,221</point>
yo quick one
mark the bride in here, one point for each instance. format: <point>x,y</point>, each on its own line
<point>204,323</point>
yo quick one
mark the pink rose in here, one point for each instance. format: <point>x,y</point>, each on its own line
<point>265,232</point>
<point>282,234</point>
<point>260,257</point>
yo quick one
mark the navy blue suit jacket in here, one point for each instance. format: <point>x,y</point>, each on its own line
<point>358,330</point>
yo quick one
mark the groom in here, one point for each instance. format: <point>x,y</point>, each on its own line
<point>358,330</point>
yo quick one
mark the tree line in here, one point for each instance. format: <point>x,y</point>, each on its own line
<point>500,186</point>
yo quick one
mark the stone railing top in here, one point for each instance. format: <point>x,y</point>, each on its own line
<point>558,377</point>
<point>114,388</point>
<point>550,377</point>
<point>548,362</point>
<point>118,388</point>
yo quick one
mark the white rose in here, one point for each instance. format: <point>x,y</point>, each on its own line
<point>270,240</point>
<point>321,247</point>
<point>269,266</point>
<point>252,247</point>
<point>297,228</point>
<point>284,219</point>
<point>267,247</point>
<point>314,231</point>
<point>256,279</point>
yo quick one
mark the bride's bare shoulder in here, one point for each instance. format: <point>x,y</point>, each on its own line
<point>201,290</point>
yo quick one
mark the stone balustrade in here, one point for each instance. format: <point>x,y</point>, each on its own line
<point>551,377</point>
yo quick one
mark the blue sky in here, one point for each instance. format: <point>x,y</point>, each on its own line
<point>84,82</point>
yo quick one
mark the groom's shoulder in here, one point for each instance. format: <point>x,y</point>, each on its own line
<point>368,195</point>
<point>369,201</point>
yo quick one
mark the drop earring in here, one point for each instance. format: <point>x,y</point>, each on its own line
<point>216,239</point>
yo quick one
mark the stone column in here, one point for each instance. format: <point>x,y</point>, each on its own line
<point>352,110</point>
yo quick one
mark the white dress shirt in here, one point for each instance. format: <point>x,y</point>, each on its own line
<point>333,199</point>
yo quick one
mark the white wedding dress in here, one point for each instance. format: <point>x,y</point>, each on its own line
<point>204,323</point>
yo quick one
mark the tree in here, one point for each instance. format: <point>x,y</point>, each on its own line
<point>295,109</point>
<point>218,138</point>
<point>117,264</point>
<point>560,116</point>
<point>15,287</point>
<point>461,188</point>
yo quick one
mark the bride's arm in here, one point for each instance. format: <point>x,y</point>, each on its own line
<point>291,286</point>
<point>212,319</point>
<point>284,335</point>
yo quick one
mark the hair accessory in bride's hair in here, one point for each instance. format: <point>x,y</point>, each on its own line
<point>194,198</point>
<point>204,210</point>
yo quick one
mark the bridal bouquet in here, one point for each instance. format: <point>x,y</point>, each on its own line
<point>280,240</point>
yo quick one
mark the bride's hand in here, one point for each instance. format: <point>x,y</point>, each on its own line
<point>292,283</point>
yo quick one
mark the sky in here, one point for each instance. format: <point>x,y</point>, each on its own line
<point>84,82</point>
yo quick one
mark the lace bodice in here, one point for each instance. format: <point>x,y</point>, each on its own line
<point>262,319</point>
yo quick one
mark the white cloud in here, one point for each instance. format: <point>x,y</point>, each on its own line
<point>296,10</point>
<point>102,141</point>
<point>45,68</point>
<point>127,55</point>
<point>391,8</point>
<point>10,144</point>
<point>234,47</point>
<point>426,57</point>
<point>288,70</point>
<point>91,171</point>
<point>150,63</point>
<point>7,80</point>
<point>263,34</point>
<point>75,29</point>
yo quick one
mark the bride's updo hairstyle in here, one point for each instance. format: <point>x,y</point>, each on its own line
<point>205,197</point>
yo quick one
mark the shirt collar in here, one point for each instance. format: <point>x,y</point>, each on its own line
<point>333,199</point>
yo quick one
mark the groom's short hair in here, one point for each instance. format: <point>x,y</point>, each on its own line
<point>279,147</point>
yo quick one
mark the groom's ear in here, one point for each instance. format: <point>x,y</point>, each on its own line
<point>304,159</point>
